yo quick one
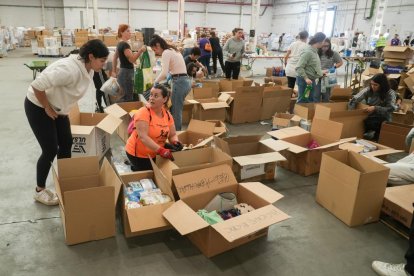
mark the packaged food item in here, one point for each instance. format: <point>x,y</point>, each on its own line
<point>148,184</point>
<point>133,205</point>
<point>136,186</point>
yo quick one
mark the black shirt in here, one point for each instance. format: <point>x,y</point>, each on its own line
<point>215,44</point>
<point>121,47</point>
<point>188,59</point>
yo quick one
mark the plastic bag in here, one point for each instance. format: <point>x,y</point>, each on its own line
<point>144,77</point>
<point>111,87</point>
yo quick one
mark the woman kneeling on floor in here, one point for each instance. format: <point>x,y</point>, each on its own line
<point>153,125</point>
<point>381,101</point>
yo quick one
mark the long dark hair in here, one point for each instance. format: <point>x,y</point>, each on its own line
<point>382,80</point>
<point>163,44</point>
<point>95,47</point>
<point>329,53</point>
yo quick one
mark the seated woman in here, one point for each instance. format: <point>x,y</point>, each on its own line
<point>381,101</point>
<point>154,124</point>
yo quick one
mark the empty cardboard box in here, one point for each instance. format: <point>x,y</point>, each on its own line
<point>207,106</point>
<point>245,104</point>
<point>198,134</point>
<point>351,187</point>
<point>275,99</point>
<point>220,128</point>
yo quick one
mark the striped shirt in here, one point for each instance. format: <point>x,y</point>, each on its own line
<point>327,62</point>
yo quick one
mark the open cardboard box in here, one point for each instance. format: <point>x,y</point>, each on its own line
<point>123,111</point>
<point>393,135</point>
<point>146,219</point>
<point>351,187</point>
<point>230,85</point>
<point>398,203</point>
<point>197,188</point>
<point>275,99</point>
<point>253,159</point>
<point>207,106</point>
<point>277,80</point>
<point>214,84</point>
<point>397,52</point>
<point>220,128</point>
<point>379,155</point>
<point>91,132</point>
<point>198,134</point>
<point>409,81</point>
<point>87,198</point>
<point>341,94</point>
<point>245,104</point>
<point>282,120</point>
<point>301,159</point>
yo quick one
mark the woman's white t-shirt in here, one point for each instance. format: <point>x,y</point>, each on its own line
<point>295,50</point>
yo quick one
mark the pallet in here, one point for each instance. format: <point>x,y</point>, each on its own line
<point>395,225</point>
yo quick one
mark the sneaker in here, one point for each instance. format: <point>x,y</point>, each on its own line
<point>386,269</point>
<point>46,197</point>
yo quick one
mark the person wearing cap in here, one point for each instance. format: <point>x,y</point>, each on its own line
<point>308,68</point>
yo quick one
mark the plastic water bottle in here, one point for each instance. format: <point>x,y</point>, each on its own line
<point>308,89</point>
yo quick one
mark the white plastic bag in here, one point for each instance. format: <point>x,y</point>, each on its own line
<point>111,87</point>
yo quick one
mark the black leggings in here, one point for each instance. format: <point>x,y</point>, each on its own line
<point>54,137</point>
<point>218,55</point>
<point>291,82</point>
<point>139,164</point>
<point>232,68</point>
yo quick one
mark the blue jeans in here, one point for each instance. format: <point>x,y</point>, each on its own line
<point>301,87</point>
<point>205,60</point>
<point>318,96</point>
<point>181,86</point>
<point>126,81</point>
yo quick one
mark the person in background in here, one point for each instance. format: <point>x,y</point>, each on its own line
<point>380,45</point>
<point>281,41</point>
<point>308,68</point>
<point>188,44</point>
<point>193,57</point>
<point>407,41</point>
<point>412,43</point>
<point>127,59</point>
<point>394,86</point>
<point>206,50</point>
<point>355,40</point>
<point>292,57</point>
<point>172,63</point>
<point>217,53</point>
<point>153,126</point>
<point>395,41</point>
<point>234,50</point>
<point>99,78</point>
<point>48,102</point>
<point>381,101</point>
<point>330,60</point>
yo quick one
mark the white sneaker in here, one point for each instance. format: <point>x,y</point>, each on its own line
<point>387,269</point>
<point>46,197</point>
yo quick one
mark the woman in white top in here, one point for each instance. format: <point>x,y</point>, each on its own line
<point>292,57</point>
<point>48,102</point>
<point>172,63</point>
<point>188,44</point>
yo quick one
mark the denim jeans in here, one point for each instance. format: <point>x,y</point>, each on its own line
<point>318,96</point>
<point>301,90</point>
<point>205,60</point>
<point>126,81</point>
<point>181,86</point>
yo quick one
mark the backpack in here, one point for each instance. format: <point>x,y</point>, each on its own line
<point>131,126</point>
<point>207,47</point>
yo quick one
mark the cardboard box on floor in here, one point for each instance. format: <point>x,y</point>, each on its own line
<point>214,84</point>
<point>351,187</point>
<point>187,114</point>
<point>253,160</point>
<point>409,81</point>
<point>277,80</point>
<point>124,112</point>
<point>220,128</point>
<point>379,155</point>
<point>198,134</point>
<point>214,239</point>
<point>397,52</point>
<point>146,219</point>
<point>341,94</point>
<point>275,99</point>
<point>398,203</point>
<point>208,107</point>
<point>404,116</point>
<point>352,120</point>
<point>91,132</point>
<point>283,120</point>
<point>393,135</point>
<point>245,104</point>
<point>87,196</point>
<point>306,161</point>
<point>231,85</point>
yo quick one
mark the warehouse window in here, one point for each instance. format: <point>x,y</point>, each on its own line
<point>329,21</point>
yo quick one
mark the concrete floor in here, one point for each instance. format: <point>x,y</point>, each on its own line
<point>312,242</point>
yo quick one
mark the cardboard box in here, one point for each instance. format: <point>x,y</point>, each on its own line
<point>369,72</point>
<point>245,104</point>
<point>275,99</point>
<point>398,203</point>
<point>110,40</point>
<point>91,132</point>
<point>351,187</point>
<point>213,85</point>
<point>187,114</point>
<point>146,219</point>
<point>379,155</point>
<point>396,62</point>
<point>393,135</point>
<point>352,120</point>
<point>230,85</point>
<point>277,80</point>
<point>341,94</point>
<point>306,161</point>
<point>397,52</point>
<point>404,118</point>
<point>214,239</point>
<point>87,198</point>
<point>220,128</point>
<point>208,107</point>
<point>305,110</point>
<point>253,160</point>
<point>409,81</point>
<point>123,111</point>
<point>282,120</point>
<point>198,134</point>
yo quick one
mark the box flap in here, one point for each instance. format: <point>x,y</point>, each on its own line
<point>256,159</point>
<point>262,191</point>
<point>184,219</point>
<point>201,127</point>
<point>57,188</point>
<point>345,140</point>
<point>110,178</point>
<point>193,102</point>
<point>287,132</point>
<point>81,130</point>
<point>398,49</point>
<point>78,166</point>
<point>225,97</point>
<point>115,110</point>
<point>319,128</point>
<point>352,147</point>
<point>246,224</point>
<point>222,144</point>
<point>201,181</point>
<point>161,180</point>
<point>275,145</point>
<point>109,124</point>
<point>74,115</point>
<point>381,152</point>
<point>215,105</point>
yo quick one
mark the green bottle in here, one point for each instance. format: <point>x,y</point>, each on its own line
<point>308,89</point>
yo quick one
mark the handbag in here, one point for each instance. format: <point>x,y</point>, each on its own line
<point>222,202</point>
<point>207,47</point>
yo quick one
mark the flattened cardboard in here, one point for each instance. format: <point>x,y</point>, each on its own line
<point>398,203</point>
